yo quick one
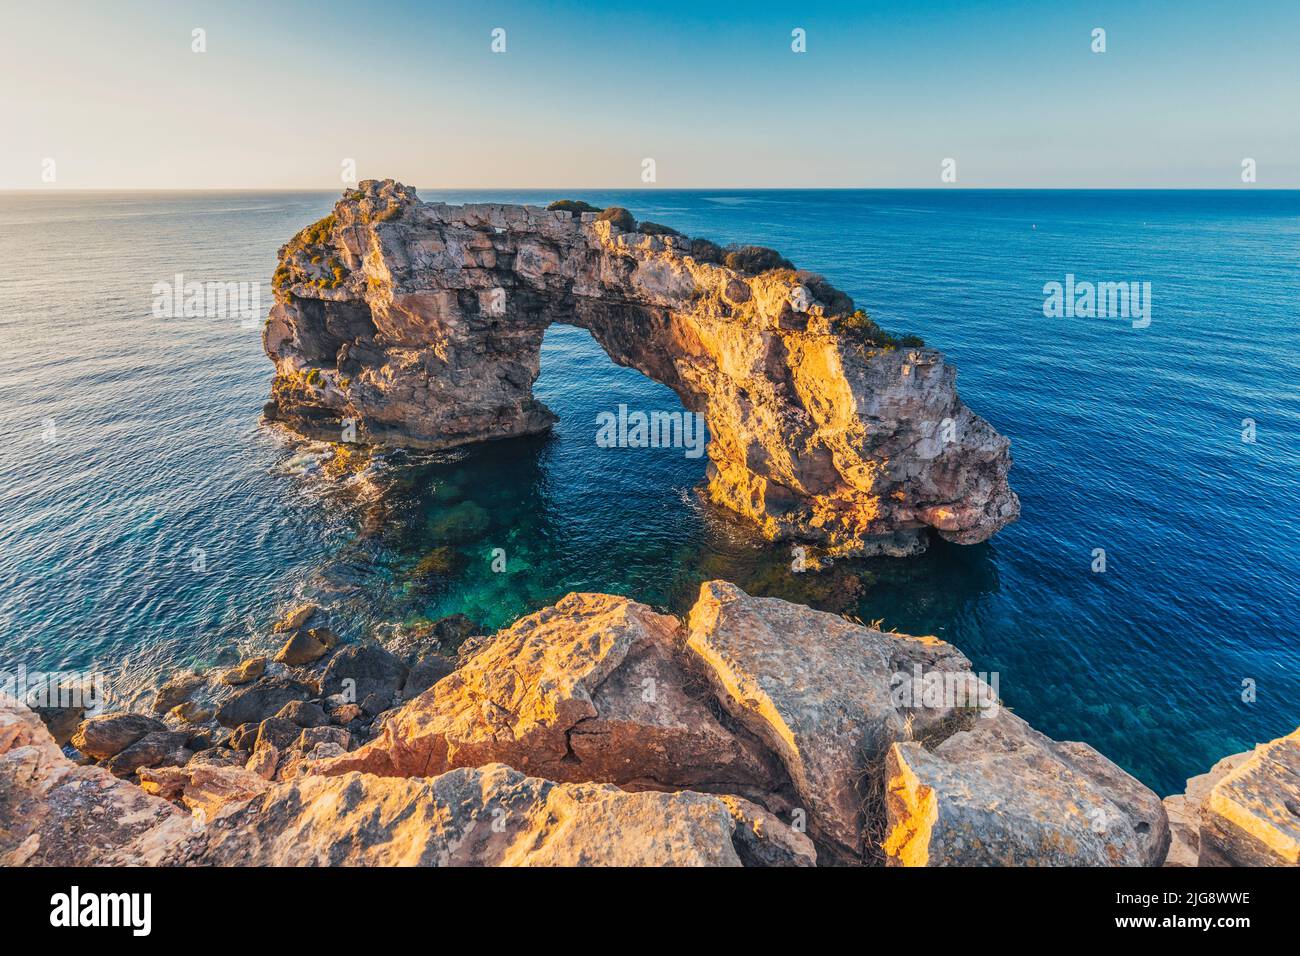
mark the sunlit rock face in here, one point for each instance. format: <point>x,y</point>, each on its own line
<point>590,689</point>
<point>417,324</point>
<point>1001,794</point>
<point>489,816</point>
<point>1244,812</point>
<point>789,708</point>
<point>54,812</point>
<point>821,692</point>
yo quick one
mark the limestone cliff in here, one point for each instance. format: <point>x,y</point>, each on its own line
<point>417,324</point>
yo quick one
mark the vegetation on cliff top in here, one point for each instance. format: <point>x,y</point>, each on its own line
<point>618,216</point>
<point>309,246</point>
<point>754,260</point>
<point>860,327</point>
<point>573,205</point>
<point>648,228</point>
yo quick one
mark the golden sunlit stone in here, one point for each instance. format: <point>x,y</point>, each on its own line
<point>1251,816</point>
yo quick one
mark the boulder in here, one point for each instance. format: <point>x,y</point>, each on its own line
<point>263,699</point>
<point>178,689</point>
<point>311,736</point>
<point>325,637</point>
<point>762,840</point>
<point>345,714</point>
<point>1002,794</point>
<point>488,816</point>
<point>203,788</point>
<point>218,757</point>
<point>304,714</point>
<point>247,672</point>
<point>276,732</point>
<point>586,690</point>
<point>108,735</point>
<point>56,813</point>
<point>244,736</point>
<point>157,749</point>
<point>295,618</point>
<point>189,712</point>
<point>265,761</point>
<point>301,648</point>
<point>367,674</point>
<point>820,692</point>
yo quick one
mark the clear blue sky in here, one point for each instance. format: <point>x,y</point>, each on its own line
<point>712,92</point>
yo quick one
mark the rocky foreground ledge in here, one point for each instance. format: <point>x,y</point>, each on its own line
<point>414,324</point>
<point>600,732</point>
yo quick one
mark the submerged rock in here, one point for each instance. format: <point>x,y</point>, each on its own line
<point>295,618</point>
<point>304,714</point>
<point>190,713</point>
<point>426,670</point>
<point>178,689</point>
<point>427,332</point>
<point>1002,794</point>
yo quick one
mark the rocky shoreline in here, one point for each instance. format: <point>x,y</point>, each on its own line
<point>599,731</point>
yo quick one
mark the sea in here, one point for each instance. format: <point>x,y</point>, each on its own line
<point>1147,602</point>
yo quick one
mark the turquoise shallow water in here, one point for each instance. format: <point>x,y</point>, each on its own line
<point>1125,439</point>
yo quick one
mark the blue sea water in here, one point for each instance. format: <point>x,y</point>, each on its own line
<point>147,520</point>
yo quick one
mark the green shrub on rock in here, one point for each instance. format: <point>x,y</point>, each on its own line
<point>618,216</point>
<point>318,232</point>
<point>702,250</point>
<point>752,260</point>
<point>836,302</point>
<point>860,327</point>
<point>654,229</point>
<point>576,206</point>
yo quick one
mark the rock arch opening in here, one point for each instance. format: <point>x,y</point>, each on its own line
<point>602,406</point>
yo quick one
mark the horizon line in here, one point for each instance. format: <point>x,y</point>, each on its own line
<point>1245,187</point>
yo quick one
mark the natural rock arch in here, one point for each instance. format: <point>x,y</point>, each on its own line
<point>420,324</point>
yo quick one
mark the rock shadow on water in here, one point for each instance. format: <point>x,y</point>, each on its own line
<point>917,595</point>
